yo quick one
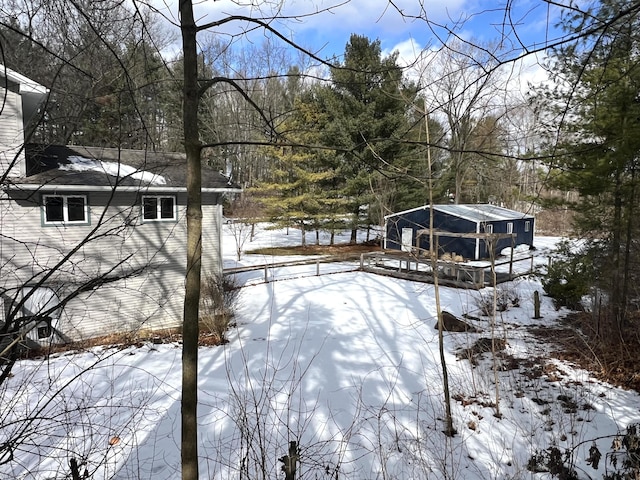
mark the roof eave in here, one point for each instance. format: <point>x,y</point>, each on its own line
<point>109,188</point>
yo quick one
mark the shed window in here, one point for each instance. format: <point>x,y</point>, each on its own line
<point>527,226</point>
<point>488,228</point>
<point>510,227</point>
<point>158,208</point>
<point>65,209</point>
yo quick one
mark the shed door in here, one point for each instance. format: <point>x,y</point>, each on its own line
<point>43,304</point>
<point>407,239</point>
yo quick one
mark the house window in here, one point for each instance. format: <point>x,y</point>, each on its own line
<point>40,312</point>
<point>488,228</point>
<point>158,209</point>
<point>527,226</point>
<point>510,227</point>
<point>65,209</point>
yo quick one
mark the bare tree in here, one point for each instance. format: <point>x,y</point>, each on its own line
<point>194,86</point>
<point>463,86</point>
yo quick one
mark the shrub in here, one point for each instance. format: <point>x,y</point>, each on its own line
<point>553,461</point>
<point>570,276</point>
<point>505,299</point>
<point>219,296</point>
<point>623,461</point>
<point>624,458</point>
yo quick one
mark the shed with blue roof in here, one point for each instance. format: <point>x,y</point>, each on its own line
<point>483,224</point>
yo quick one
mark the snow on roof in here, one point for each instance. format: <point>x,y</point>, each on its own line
<point>481,212</point>
<point>26,84</point>
<point>82,164</point>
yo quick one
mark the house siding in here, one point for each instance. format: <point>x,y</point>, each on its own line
<point>11,135</point>
<point>146,261</point>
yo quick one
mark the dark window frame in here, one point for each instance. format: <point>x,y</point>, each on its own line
<point>68,209</point>
<point>159,208</point>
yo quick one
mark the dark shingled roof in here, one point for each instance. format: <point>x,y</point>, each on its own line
<point>53,165</point>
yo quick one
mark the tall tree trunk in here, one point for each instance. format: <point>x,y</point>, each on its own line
<point>631,199</point>
<point>449,430</point>
<point>354,229</point>
<point>616,245</point>
<point>189,444</point>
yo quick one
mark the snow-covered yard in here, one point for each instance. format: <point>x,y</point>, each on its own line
<point>347,365</point>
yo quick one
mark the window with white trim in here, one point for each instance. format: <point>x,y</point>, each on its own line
<point>510,227</point>
<point>527,226</point>
<point>159,208</point>
<point>65,210</point>
<point>488,228</point>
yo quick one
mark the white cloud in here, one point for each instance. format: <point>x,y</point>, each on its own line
<point>325,23</point>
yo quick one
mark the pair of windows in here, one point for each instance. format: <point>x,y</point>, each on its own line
<point>158,209</point>
<point>527,226</point>
<point>74,209</point>
<point>488,228</point>
<point>65,209</point>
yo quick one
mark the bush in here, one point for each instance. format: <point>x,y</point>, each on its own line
<point>570,276</point>
<point>218,303</point>
<point>553,461</point>
<point>624,458</point>
<point>506,298</point>
<point>622,462</point>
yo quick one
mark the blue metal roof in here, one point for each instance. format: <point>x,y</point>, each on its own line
<point>481,212</point>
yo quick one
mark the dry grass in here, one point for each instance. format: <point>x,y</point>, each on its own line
<point>125,340</point>
<point>610,354</point>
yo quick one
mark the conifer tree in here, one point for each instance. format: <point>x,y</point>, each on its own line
<point>367,108</point>
<point>299,191</point>
<point>598,156</point>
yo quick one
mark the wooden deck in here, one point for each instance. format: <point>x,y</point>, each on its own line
<point>451,274</point>
<point>408,266</point>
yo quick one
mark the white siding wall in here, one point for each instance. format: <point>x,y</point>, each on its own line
<point>149,259</point>
<point>11,134</point>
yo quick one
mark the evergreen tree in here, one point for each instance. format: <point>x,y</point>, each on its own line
<point>299,192</point>
<point>367,106</point>
<point>599,109</point>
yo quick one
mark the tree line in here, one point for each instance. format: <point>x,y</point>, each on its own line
<point>348,139</point>
<point>339,143</point>
<point>333,143</point>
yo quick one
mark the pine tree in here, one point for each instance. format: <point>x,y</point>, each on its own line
<point>599,108</point>
<point>299,191</point>
<point>367,106</point>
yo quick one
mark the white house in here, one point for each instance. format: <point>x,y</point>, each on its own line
<point>93,240</point>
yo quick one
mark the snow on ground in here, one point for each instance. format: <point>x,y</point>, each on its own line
<point>346,364</point>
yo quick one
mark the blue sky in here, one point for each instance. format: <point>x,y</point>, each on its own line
<point>327,32</point>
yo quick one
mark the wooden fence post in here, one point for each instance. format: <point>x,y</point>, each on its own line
<point>536,305</point>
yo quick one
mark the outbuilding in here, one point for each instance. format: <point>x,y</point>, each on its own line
<point>485,225</point>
